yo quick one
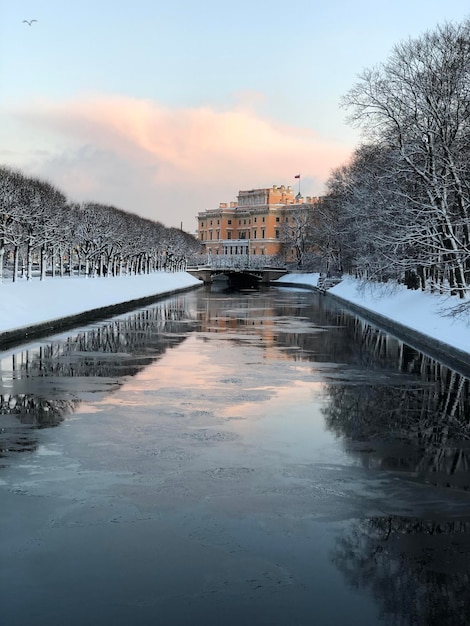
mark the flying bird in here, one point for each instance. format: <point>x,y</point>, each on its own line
<point>29,22</point>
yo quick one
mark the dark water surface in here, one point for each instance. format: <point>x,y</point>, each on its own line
<point>258,458</point>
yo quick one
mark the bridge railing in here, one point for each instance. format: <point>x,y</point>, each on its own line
<point>239,261</point>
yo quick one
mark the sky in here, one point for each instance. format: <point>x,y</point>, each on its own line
<point>415,309</point>
<point>165,109</point>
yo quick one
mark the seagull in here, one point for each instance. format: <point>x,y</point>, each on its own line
<point>29,22</point>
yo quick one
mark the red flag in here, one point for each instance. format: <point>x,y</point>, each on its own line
<point>297,176</point>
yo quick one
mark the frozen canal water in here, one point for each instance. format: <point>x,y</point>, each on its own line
<point>224,458</point>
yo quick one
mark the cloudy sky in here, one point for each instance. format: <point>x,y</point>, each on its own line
<point>167,108</point>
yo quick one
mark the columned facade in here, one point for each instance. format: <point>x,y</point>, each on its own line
<point>253,225</point>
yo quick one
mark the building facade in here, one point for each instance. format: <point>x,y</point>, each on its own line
<point>253,225</point>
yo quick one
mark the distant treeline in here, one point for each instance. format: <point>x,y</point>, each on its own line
<point>400,208</point>
<point>40,228</point>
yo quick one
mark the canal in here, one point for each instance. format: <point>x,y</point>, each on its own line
<point>256,457</point>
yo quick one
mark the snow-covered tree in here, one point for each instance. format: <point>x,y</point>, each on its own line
<point>11,183</point>
<point>416,106</point>
<point>297,235</point>
<point>37,222</point>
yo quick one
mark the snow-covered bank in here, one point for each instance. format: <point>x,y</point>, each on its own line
<point>421,312</point>
<point>27,303</point>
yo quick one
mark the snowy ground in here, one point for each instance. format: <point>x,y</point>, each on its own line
<point>420,311</point>
<point>26,303</point>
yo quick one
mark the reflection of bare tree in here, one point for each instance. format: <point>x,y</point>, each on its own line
<point>417,570</point>
<point>37,385</point>
<point>419,423</point>
<point>35,411</point>
<point>31,413</point>
<point>121,347</point>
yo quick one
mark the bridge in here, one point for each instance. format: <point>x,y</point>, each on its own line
<point>237,276</point>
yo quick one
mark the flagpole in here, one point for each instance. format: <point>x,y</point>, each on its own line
<point>298,176</point>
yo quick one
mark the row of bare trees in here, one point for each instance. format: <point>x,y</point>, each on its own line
<point>38,224</point>
<point>400,208</point>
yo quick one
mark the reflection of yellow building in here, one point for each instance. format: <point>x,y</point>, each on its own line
<point>257,327</point>
<point>253,224</point>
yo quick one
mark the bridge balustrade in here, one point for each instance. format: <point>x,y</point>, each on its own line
<point>242,261</point>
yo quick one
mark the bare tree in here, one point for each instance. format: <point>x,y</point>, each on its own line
<point>11,183</point>
<point>39,215</point>
<point>417,106</point>
<point>38,223</point>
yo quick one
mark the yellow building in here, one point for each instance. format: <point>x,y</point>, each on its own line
<point>252,225</point>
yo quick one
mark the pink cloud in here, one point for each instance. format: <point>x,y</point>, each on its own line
<point>194,149</point>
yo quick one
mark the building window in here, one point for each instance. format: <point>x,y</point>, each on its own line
<point>210,235</point>
<point>262,233</point>
<point>263,218</point>
<point>229,222</point>
<point>218,222</point>
<point>254,219</point>
<point>229,235</point>
<point>254,234</point>
<point>277,234</point>
<point>239,222</point>
<point>202,236</point>
<point>277,218</point>
<point>211,223</point>
<point>287,219</point>
<point>244,222</point>
<point>217,234</point>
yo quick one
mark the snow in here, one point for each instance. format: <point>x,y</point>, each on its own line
<point>424,312</point>
<point>26,303</point>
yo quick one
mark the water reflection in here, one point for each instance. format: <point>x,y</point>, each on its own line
<point>416,423</point>
<point>41,384</point>
<point>228,441</point>
<point>395,408</point>
<point>417,570</point>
